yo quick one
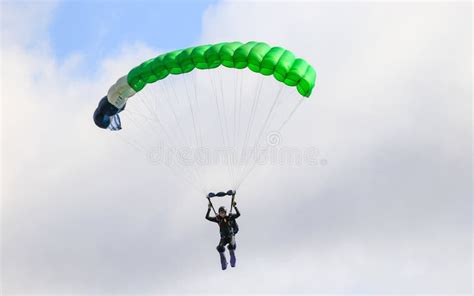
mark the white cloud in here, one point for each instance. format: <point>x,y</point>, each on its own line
<point>24,23</point>
<point>390,213</point>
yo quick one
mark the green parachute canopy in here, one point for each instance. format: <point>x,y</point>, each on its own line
<point>213,127</point>
<point>257,56</point>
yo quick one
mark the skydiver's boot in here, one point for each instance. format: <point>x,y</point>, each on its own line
<point>232,257</point>
<point>223,260</point>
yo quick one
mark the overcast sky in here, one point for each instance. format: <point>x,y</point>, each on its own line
<point>390,211</point>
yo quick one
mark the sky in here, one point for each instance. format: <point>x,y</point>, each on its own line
<point>389,212</point>
<point>104,23</point>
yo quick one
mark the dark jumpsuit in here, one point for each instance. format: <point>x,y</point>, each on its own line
<point>225,229</point>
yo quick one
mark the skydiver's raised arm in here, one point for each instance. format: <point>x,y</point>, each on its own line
<point>209,218</point>
<point>237,213</point>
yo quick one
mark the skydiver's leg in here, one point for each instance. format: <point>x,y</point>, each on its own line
<point>221,249</point>
<point>232,246</point>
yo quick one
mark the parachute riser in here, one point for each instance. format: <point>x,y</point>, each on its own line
<point>212,206</point>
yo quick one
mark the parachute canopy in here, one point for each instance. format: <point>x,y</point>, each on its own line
<point>257,56</point>
<point>222,108</point>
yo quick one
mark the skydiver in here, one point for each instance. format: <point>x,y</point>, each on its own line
<point>227,231</point>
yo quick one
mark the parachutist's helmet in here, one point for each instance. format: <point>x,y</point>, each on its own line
<point>222,209</point>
